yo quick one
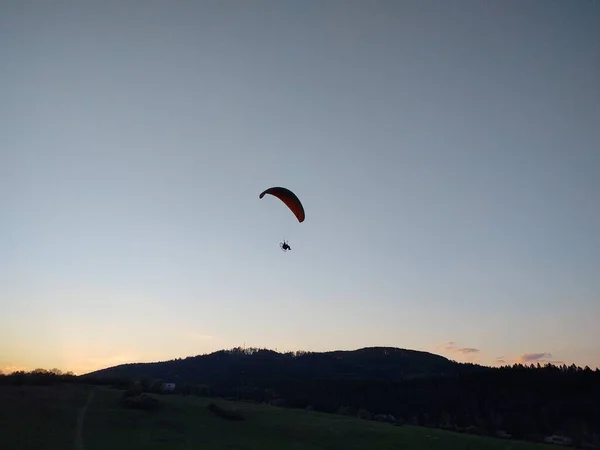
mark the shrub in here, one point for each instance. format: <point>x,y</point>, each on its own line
<point>389,418</point>
<point>343,410</point>
<point>225,413</point>
<point>143,402</point>
<point>364,414</point>
<point>279,402</point>
<point>202,390</point>
<point>399,422</point>
<point>133,391</point>
<point>472,429</point>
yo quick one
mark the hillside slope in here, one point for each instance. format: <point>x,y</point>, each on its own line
<point>261,367</point>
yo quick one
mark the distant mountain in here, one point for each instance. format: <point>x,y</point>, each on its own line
<point>263,367</point>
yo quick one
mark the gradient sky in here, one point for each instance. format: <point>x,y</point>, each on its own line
<point>447,154</point>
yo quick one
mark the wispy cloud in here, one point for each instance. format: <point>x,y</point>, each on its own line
<point>467,350</point>
<point>10,368</point>
<point>528,357</point>
<point>453,348</point>
<point>543,357</point>
<point>468,354</point>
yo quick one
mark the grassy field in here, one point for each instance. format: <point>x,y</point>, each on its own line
<point>39,417</point>
<point>46,417</point>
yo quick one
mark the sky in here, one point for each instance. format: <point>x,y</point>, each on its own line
<point>447,155</point>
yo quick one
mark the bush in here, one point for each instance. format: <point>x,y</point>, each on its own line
<point>202,390</point>
<point>224,413</point>
<point>343,410</point>
<point>389,418</point>
<point>364,414</point>
<point>133,391</point>
<point>143,402</point>
<point>472,429</point>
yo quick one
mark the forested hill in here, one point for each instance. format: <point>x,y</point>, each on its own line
<point>529,402</point>
<point>261,367</point>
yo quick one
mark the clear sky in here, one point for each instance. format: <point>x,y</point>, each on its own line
<point>447,155</point>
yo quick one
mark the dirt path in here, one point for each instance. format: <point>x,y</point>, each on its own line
<point>80,418</point>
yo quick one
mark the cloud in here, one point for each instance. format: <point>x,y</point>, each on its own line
<point>528,357</point>
<point>472,355</point>
<point>447,347</point>
<point>464,354</point>
<point>451,347</point>
<point>467,350</point>
<point>10,368</point>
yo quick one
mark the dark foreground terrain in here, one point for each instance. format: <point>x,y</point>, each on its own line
<point>550,403</point>
<point>528,402</point>
<point>35,417</point>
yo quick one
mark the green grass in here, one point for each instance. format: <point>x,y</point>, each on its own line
<point>46,417</point>
<point>39,417</point>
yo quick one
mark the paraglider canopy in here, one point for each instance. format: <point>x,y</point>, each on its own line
<point>289,198</point>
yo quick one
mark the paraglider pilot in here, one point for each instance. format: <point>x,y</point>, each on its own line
<point>291,201</point>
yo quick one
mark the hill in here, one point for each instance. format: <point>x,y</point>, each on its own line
<point>263,367</point>
<point>528,402</point>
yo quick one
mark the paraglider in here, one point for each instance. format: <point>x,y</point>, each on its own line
<point>291,201</point>
<point>289,198</point>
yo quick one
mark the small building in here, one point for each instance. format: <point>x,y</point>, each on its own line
<point>168,387</point>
